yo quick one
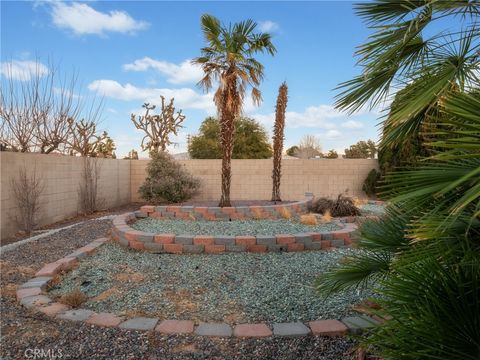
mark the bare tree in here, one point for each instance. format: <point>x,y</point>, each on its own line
<point>309,147</point>
<point>17,101</point>
<point>27,189</point>
<point>37,110</point>
<point>158,128</point>
<point>278,140</point>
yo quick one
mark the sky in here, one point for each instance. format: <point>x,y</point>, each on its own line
<point>129,53</point>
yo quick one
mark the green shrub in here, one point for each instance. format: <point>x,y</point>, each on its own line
<point>371,182</point>
<point>167,181</point>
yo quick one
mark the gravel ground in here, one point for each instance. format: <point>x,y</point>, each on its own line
<point>22,329</point>
<point>237,227</point>
<point>234,288</point>
<point>371,209</point>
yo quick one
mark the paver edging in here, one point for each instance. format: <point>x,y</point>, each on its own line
<point>35,298</point>
<point>129,237</point>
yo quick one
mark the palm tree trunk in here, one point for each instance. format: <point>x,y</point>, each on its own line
<point>278,140</point>
<point>231,105</point>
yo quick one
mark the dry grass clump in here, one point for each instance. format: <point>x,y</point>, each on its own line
<point>74,298</point>
<point>285,213</point>
<point>56,280</point>
<point>326,217</point>
<point>258,214</point>
<point>359,202</point>
<point>309,219</point>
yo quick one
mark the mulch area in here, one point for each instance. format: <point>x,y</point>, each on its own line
<point>22,329</point>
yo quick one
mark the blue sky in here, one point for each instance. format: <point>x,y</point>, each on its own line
<point>131,52</point>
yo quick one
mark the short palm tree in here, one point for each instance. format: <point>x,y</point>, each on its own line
<point>229,60</point>
<point>423,256</point>
<point>278,137</point>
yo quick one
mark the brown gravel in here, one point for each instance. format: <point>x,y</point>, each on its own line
<point>22,329</point>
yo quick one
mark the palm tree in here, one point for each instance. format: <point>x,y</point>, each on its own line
<point>228,59</point>
<point>278,140</point>
<point>423,256</point>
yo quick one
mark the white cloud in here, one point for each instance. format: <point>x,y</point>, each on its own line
<point>185,72</point>
<point>268,26</point>
<point>321,116</point>
<point>185,98</point>
<point>352,124</point>
<point>22,70</point>
<point>333,134</point>
<point>83,19</point>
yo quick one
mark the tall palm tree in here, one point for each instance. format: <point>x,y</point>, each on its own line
<point>229,60</point>
<point>278,140</point>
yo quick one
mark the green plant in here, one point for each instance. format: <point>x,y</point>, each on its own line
<point>292,150</point>
<point>332,154</point>
<point>423,257</point>
<point>250,140</point>
<point>371,182</point>
<point>167,181</point>
<point>361,150</point>
<point>228,59</point>
<point>278,137</point>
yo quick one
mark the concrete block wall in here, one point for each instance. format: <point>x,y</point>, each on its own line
<point>61,177</point>
<point>252,179</point>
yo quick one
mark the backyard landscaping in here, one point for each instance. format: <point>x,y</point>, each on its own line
<point>23,329</point>
<point>232,288</point>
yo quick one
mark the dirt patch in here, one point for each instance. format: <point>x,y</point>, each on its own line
<point>106,294</point>
<point>135,277</point>
<point>182,348</point>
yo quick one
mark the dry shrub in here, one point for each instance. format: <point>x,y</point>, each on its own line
<point>342,206</point>
<point>327,217</point>
<point>285,213</point>
<point>308,219</point>
<point>27,189</point>
<point>74,298</point>
<point>89,185</point>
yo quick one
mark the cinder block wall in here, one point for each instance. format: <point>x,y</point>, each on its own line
<point>252,179</point>
<point>61,176</point>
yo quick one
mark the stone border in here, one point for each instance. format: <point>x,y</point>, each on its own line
<point>32,295</point>
<point>212,213</point>
<point>197,244</point>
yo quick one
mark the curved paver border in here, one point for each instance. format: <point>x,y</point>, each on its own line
<point>32,295</point>
<point>196,244</point>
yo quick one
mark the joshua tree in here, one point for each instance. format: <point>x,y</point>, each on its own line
<point>84,139</point>
<point>106,148</point>
<point>228,59</point>
<point>278,140</point>
<point>158,128</point>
